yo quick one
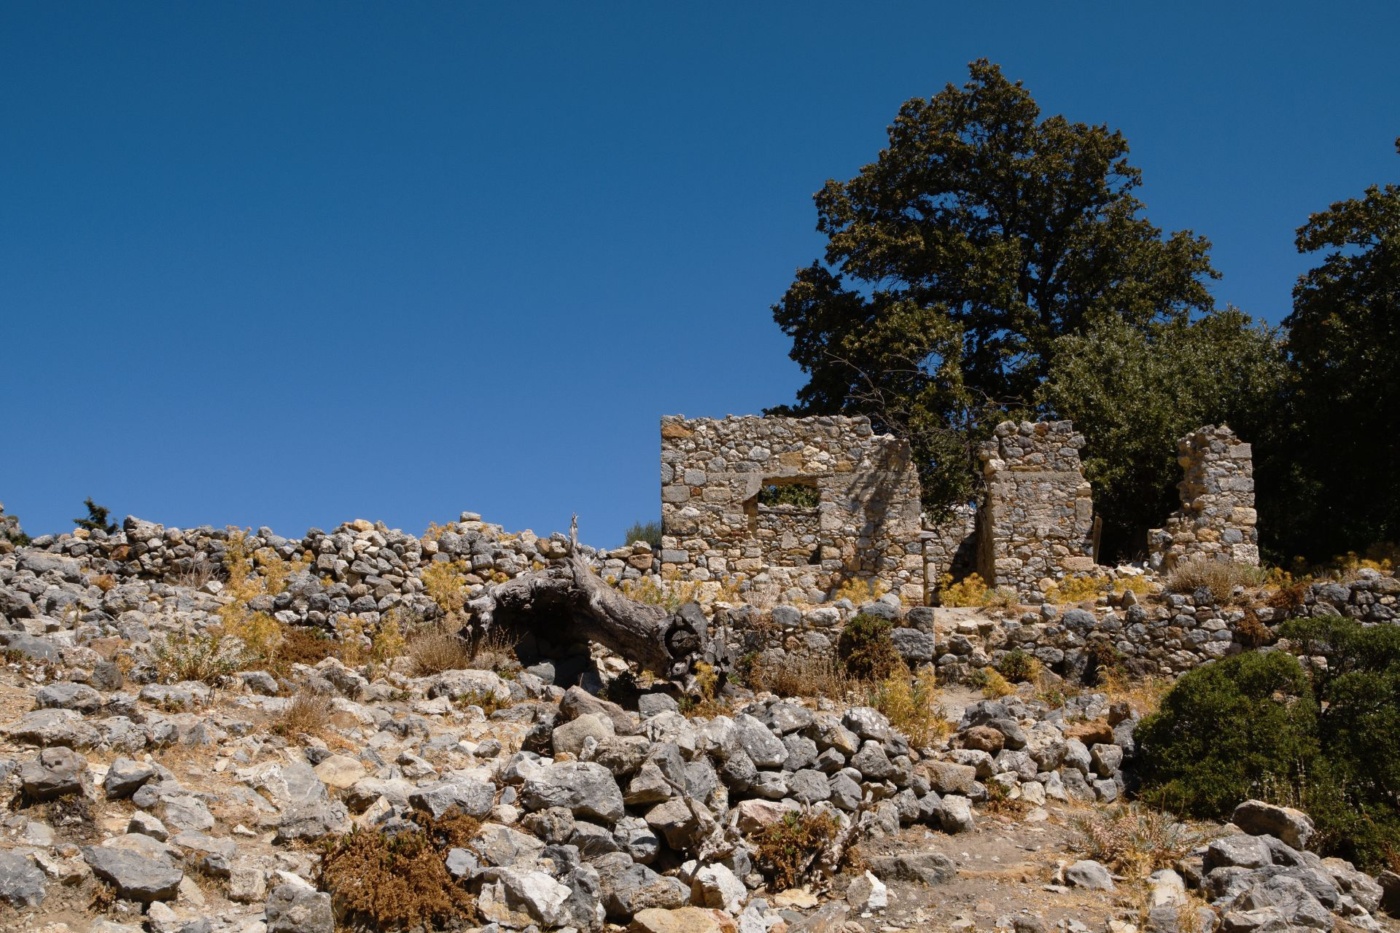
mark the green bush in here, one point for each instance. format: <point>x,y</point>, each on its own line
<point>1242,727</point>
<point>1018,666</point>
<point>1258,725</point>
<point>866,649</point>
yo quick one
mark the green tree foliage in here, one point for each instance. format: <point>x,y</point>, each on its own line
<point>96,518</point>
<point>1257,725</point>
<point>954,263</point>
<point>1342,338</point>
<point>1135,390</point>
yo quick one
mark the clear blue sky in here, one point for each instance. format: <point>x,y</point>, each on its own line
<point>296,263</point>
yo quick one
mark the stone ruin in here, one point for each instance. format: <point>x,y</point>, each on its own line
<point>1037,516</point>
<point>803,504</point>
<point>1217,519</point>
<point>730,512</point>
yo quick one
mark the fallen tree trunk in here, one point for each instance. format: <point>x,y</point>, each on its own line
<point>668,644</point>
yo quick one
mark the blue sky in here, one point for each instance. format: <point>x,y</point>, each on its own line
<point>292,264</point>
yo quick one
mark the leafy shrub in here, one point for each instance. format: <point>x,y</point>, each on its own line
<point>446,584</point>
<point>866,649</point>
<point>966,593</point>
<point>1258,725</point>
<point>860,590</point>
<point>650,532</point>
<point>379,881</point>
<point>1241,727</point>
<point>1078,589</point>
<point>1018,666</point>
<point>787,848</point>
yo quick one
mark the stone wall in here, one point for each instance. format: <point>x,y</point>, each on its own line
<point>1036,520</point>
<point>950,546</point>
<point>1217,518</point>
<point>866,526</point>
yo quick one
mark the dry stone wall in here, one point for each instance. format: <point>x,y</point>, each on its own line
<point>866,523</point>
<point>1217,517</point>
<point>950,546</point>
<point>1036,520</point>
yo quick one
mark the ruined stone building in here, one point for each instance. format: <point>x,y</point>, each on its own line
<point>810,504</point>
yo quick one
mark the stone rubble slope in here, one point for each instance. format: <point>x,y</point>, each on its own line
<point>177,800</point>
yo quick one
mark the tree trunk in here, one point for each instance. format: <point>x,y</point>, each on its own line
<point>667,644</point>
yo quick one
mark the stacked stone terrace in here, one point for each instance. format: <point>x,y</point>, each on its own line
<point>1037,518</point>
<point>864,522</point>
<point>1217,517</point>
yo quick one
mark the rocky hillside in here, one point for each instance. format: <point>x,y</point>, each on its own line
<point>163,774</point>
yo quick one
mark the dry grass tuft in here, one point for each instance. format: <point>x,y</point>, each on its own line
<point>436,650</point>
<point>991,683</point>
<point>801,676</point>
<point>307,714</point>
<point>1133,840</point>
<point>1142,694</point>
<point>399,882</point>
<point>910,702</point>
<point>1220,577</point>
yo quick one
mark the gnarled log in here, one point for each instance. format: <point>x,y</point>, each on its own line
<point>668,644</point>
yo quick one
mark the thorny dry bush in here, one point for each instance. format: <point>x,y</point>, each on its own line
<point>1133,840</point>
<point>307,714</point>
<point>786,848</point>
<point>393,882</point>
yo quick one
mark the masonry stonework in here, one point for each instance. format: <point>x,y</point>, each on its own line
<point>1037,517</point>
<point>1217,517</point>
<point>862,520</point>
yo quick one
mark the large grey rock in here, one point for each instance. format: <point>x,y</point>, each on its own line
<point>78,697</point>
<point>914,646</point>
<point>926,867</point>
<point>809,786</point>
<point>676,823</point>
<point>45,727</point>
<point>570,737</point>
<point>759,743</point>
<point>125,777</point>
<point>57,772</point>
<point>1090,875</point>
<point>586,788</point>
<point>956,814</point>
<point>21,881</point>
<point>296,909</point>
<point>1239,851</point>
<point>1291,898</point>
<point>1265,819</point>
<point>629,888</point>
<point>472,797</point>
<point>578,702</point>
<point>137,876</point>
<point>949,778</point>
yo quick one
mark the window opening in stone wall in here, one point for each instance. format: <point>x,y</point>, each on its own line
<point>802,494</point>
